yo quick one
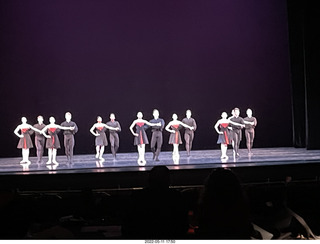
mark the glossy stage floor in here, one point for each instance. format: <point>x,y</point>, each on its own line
<point>265,165</point>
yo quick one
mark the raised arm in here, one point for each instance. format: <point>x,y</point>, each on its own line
<point>131,128</point>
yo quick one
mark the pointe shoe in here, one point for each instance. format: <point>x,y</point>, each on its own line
<point>49,162</point>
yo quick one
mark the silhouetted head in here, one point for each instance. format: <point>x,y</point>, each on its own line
<point>159,177</point>
<point>112,117</point>
<point>223,186</point>
<point>99,119</point>
<point>174,116</point>
<point>24,120</point>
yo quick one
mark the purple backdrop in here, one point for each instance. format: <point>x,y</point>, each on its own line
<point>93,57</point>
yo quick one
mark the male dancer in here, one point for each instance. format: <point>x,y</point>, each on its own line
<point>189,134</point>
<point>69,136</point>
<point>156,134</point>
<point>236,131</point>
<point>113,136</point>
<point>39,139</point>
<point>249,130</point>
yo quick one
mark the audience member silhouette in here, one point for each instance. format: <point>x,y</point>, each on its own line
<point>224,212</point>
<point>156,212</point>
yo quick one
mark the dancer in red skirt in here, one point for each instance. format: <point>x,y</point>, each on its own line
<point>25,142</point>
<point>175,138</point>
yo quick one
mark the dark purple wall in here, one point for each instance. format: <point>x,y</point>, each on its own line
<point>93,57</point>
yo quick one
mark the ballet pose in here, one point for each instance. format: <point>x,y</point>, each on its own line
<point>189,134</point>
<point>68,135</point>
<point>175,138</point>
<point>224,133</point>
<point>99,131</point>
<point>156,138</point>
<point>140,136</point>
<point>113,134</point>
<point>53,142</point>
<point>25,142</point>
<point>249,130</point>
<point>39,139</point>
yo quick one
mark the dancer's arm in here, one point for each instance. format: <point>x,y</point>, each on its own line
<point>16,132</point>
<point>168,128</point>
<point>151,124</point>
<point>92,130</point>
<point>43,132</point>
<point>131,128</point>
<point>234,123</point>
<point>186,126</point>
<point>109,127</point>
<point>216,127</point>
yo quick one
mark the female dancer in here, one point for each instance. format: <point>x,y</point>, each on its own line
<point>99,131</point>
<point>224,134</point>
<point>25,140</point>
<point>53,143</point>
<point>140,136</point>
<point>175,137</point>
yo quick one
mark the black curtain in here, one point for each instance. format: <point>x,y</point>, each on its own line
<point>303,19</point>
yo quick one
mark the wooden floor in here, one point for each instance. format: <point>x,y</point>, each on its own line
<point>266,164</point>
<point>128,161</point>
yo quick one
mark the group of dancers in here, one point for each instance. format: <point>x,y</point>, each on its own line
<point>229,130</point>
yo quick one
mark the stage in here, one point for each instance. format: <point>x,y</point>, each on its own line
<point>85,172</point>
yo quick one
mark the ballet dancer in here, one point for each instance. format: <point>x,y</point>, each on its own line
<point>113,134</point>
<point>224,133</point>
<point>53,142</point>
<point>189,134</point>
<point>236,131</point>
<point>99,131</point>
<point>39,139</point>
<point>68,136</point>
<point>156,138</point>
<point>175,138</point>
<point>249,130</point>
<point>25,142</point>
<point>140,136</point>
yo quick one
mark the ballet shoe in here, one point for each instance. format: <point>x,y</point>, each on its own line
<point>49,162</point>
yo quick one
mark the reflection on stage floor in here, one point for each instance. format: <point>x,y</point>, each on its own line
<point>128,161</point>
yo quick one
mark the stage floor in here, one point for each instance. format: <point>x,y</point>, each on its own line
<point>126,162</point>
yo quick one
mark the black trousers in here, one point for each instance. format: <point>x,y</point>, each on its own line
<point>114,142</point>
<point>40,143</point>
<point>156,139</point>
<point>188,137</point>
<point>69,145</point>
<point>236,137</point>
